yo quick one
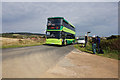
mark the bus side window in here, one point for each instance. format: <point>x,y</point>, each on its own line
<point>62,33</point>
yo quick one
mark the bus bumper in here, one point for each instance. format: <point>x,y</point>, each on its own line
<point>54,41</point>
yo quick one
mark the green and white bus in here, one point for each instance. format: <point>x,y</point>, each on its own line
<point>59,31</point>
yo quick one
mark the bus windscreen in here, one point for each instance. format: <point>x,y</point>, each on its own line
<point>54,22</point>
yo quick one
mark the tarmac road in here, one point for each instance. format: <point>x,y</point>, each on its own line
<point>31,62</point>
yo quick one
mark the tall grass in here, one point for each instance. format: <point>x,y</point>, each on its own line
<point>88,48</point>
<point>12,42</point>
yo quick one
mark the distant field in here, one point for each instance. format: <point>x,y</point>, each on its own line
<point>14,42</point>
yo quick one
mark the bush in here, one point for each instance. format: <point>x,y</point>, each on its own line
<point>112,37</point>
<point>111,44</point>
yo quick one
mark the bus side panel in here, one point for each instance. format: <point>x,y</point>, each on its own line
<point>68,30</point>
<point>70,41</point>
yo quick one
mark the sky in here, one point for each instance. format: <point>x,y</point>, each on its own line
<point>100,18</point>
<point>60,0</point>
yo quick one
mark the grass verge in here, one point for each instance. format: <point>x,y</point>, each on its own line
<point>110,54</point>
<point>25,45</point>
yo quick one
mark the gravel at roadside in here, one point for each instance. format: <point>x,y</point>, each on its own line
<point>78,64</point>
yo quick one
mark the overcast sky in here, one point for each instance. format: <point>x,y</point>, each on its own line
<point>101,18</point>
<point>60,0</point>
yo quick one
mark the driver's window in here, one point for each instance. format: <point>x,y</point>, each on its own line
<point>48,33</point>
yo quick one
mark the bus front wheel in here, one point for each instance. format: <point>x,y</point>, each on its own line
<point>65,43</point>
<point>73,43</point>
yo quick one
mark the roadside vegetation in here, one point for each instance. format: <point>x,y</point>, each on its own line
<point>13,40</point>
<point>110,46</point>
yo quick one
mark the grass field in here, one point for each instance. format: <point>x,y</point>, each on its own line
<point>14,42</point>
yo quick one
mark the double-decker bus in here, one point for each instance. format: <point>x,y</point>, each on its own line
<point>59,31</point>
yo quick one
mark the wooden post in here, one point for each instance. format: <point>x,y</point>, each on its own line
<point>87,35</point>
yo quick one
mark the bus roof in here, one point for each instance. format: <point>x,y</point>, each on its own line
<point>55,17</point>
<point>63,19</point>
<point>69,23</point>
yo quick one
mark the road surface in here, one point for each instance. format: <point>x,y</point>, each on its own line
<point>31,62</point>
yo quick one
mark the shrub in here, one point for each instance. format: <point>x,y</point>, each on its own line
<point>111,44</point>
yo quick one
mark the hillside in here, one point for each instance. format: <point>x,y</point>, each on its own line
<point>22,35</point>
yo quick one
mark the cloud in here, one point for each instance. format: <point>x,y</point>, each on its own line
<point>60,0</point>
<point>32,16</point>
<point>0,17</point>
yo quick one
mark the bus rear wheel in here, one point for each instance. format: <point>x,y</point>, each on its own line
<point>73,43</point>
